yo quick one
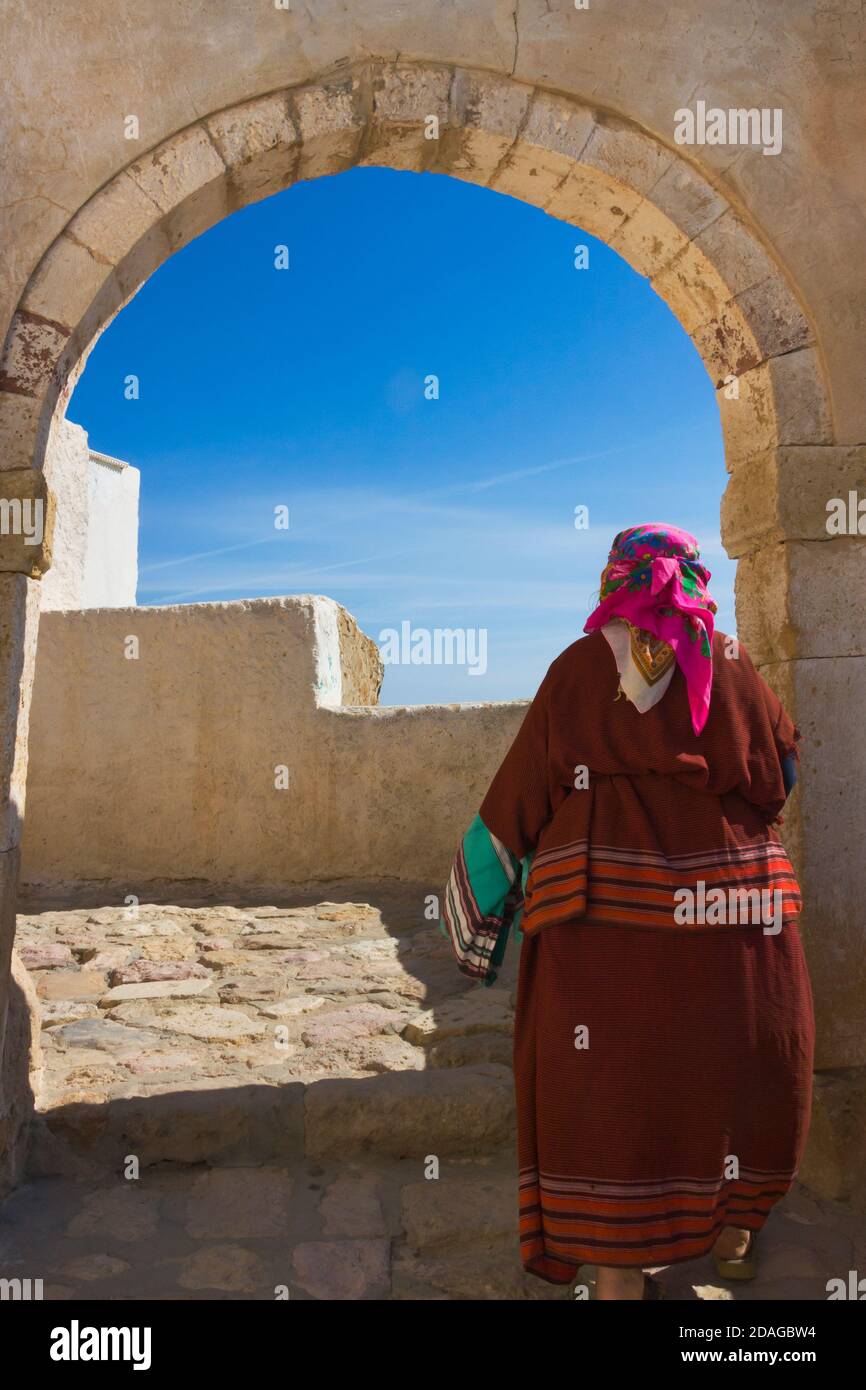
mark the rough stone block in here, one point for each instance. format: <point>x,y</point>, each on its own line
<point>648,239</point>
<point>361,667</point>
<point>26,522</point>
<point>202,210</point>
<point>488,112</point>
<point>253,128</point>
<point>834,1164</point>
<point>31,353</point>
<point>483,101</point>
<point>227,1268</point>
<point>144,257</point>
<point>473,1013</point>
<point>193,1122</point>
<point>352,1206</point>
<point>21,1059</point>
<point>239,1204</point>
<point>19,424</point>
<point>403,99</point>
<point>126,1213</point>
<point>153,989</point>
<point>344,1269</point>
<point>774,317</point>
<point>143,971</point>
<point>331,121</point>
<point>626,155</point>
<point>800,599</point>
<point>259,143</point>
<point>19,624</point>
<point>468,1051</point>
<point>470,1276</point>
<point>411,1114</point>
<point>727,346</point>
<point>781,401</point>
<point>93,1268</point>
<point>558,126</point>
<point>684,196</point>
<point>48,955</point>
<point>207,1022</point>
<point>183,166</point>
<point>551,138</point>
<point>530,174</point>
<point>114,220</point>
<point>747,411</point>
<point>784,493</point>
<point>159,950</point>
<point>347,1025</point>
<point>96,1034</point>
<point>67,279</point>
<point>736,253</point>
<point>71,984</point>
<point>408,95</point>
<point>451,1212</point>
<point>594,202</point>
<point>692,287</point>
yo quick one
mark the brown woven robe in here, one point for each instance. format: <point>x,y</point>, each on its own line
<point>664,1030</point>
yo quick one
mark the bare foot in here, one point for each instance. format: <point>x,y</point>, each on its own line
<point>732,1243</point>
<point>618,1283</point>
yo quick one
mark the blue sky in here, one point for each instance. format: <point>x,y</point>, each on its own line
<point>305,388</point>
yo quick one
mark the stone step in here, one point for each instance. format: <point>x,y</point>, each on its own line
<point>453,1112</point>
<point>207,1122</point>
<point>225,1035</point>
<point>461,1111</point>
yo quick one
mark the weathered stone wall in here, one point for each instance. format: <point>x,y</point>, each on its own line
<point>361,665</point>
<point>66,465</point>
<point>162,768</point>
<point>21,1076</point>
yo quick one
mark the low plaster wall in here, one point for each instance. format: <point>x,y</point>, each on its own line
<point>162,767</point>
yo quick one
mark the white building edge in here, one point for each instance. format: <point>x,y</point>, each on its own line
<point>95,552</point>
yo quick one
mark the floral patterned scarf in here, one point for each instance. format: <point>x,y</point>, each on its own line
<point>655,583</point>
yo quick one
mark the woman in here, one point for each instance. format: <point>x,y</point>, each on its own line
<point>664,1028</point>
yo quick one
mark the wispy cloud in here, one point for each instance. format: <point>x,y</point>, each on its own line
<point>207,554</point>
<point>283,576</point>
<point>533,471</point>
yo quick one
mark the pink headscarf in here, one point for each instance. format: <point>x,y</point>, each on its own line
<point>653,579</point>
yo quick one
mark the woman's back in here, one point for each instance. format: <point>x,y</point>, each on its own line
<point>625,811</point>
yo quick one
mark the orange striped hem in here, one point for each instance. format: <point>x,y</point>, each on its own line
<point>566,1222</point>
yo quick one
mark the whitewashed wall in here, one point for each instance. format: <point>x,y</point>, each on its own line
<point>111,556</point>
<point>95,553</point>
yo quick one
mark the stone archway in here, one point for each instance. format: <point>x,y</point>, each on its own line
<point>582,165</point>
<point>578,164</point>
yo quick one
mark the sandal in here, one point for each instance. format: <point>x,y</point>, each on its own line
<point>744,1267</point>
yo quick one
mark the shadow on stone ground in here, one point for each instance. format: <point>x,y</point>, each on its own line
<point>240,1100</point>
